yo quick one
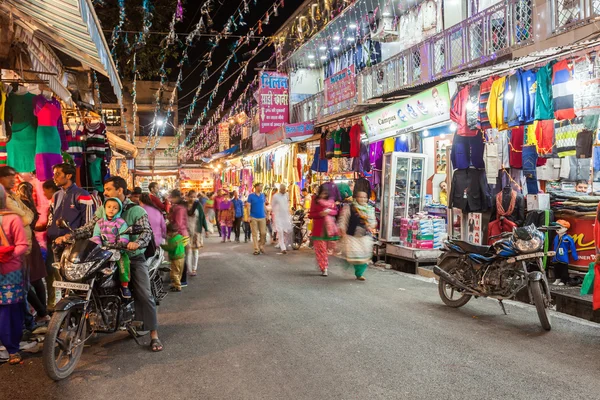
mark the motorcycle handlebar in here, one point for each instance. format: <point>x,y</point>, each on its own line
<point>503,234</point>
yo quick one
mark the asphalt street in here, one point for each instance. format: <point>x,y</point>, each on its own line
<point>270,327</point>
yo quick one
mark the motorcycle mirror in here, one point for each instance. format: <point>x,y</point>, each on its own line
<point>61,223</point>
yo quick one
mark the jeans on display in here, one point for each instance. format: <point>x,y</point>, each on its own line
<point>530,158</point>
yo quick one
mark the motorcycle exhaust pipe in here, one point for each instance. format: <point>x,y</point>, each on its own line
<point>453,281</point>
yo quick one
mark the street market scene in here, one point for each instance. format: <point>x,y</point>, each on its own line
<point>320,199</point>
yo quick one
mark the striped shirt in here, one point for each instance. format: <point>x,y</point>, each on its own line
<point>562,90</point>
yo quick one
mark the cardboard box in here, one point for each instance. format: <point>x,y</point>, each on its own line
<point>538,201</point>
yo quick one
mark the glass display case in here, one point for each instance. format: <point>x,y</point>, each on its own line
<point>403,191</point>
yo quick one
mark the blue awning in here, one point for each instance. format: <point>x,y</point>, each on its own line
<point>70,26</point>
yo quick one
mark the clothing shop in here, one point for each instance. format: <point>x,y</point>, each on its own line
<point>526,151</point>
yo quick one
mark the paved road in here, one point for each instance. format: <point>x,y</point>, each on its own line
<point>270,327</point>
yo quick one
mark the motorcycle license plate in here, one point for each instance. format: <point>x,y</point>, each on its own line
<point>71,285</point>
<point>528,256</point>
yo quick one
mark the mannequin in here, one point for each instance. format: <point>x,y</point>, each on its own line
<point>563,243</point>
<point>517,215</point>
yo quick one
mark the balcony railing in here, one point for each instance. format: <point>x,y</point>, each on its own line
<point>308,109</point>
<point>569,14</point>
<point>487,35</point>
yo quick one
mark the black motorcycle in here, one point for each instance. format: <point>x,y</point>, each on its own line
<point>300,232</point>
<point>92,303</point>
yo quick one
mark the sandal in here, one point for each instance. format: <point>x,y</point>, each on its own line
<point>174,289</point>
<point>156,345</point>
<point>14,359</point>
<point>256,253</point>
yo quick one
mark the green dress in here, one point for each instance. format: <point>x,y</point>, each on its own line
<point>21,147</point>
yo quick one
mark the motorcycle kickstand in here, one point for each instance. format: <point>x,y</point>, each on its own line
<point>132,331</point>
<point>502,306</point>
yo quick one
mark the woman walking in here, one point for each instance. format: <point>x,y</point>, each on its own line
<point>13,245</point>
<point>325,231</point>
<point>155,218</point>
<point>36,293</point>
<point>357,222</point>
<point>226,217</point>
<point>209,211</point>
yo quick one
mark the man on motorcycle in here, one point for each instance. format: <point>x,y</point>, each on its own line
<point>134,215</point>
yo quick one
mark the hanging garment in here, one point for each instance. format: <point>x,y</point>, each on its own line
<point>467,151</point>
<point>401,144</point>
<point>563,90</point>
<point>354,134</point>
<point>3,155</point>
<point>510,99</point>
<point>530,158</point>
<point>584,143</point>
<point>579,169</point>
<point>96,142</point>
<point>495,108</point>
<point>501,225</point>
<point>323,145</point>
<point>345,143</point>
<point>516,147</point>
<point>389,145</point>
<point>525,98</point>
<point>501,138</point>
<point>75,146</point>
<point>544,108</point>
<point>376,155</point>
<point>473,107</point>
<point>458,111</point>
<point>492,161</point>
<point>470,191</point>
<point>550,171</point>
<point>318,165</point>
<point>565,133</point>
<point>337,142</point>
<point>20,148</point>
<point>362,164</point>
<point>330,145</point>
<point>544,136</point>
<point>484,96</point>
<point>48,143</point>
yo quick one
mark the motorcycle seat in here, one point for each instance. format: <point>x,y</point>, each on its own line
<point>472,248</point>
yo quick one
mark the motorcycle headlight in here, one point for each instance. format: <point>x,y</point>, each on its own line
<point>529,246</point>
<point>75,272</point>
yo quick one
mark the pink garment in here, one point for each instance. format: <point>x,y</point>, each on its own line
<point>330,225</point>
<point>15,234</point>
<point>51,139</point>
<point>157,222</point>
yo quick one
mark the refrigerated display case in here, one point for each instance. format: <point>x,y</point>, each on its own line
<point>403,191</point>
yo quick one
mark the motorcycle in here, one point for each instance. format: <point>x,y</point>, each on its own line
<point>92,302</point>
<point>500,271</point>
<point>300,231</point>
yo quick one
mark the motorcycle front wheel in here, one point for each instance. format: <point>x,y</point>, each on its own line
<point>451,296</point>
<point>539,299</point>
<point>63,345</point>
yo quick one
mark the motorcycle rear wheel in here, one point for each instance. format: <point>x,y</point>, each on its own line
<point>62,332</point>
<point>449,298</point>
<point>538,294</point>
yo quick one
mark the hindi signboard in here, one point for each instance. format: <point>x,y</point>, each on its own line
<point>299,130</point>
<point>340,87</point>
<point>274,100</point>
<point>223,136</point>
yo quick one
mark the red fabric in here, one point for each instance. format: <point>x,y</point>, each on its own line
<point>544,133</point>
<point>322,147</point>
<point>156,201</point>
<point>515,157</point>
<point>355,140</point>
<point>499,226</point>
<point>6,253</point>
<point>318,220</point>
<point>178,216</point>
<point>458,112</point>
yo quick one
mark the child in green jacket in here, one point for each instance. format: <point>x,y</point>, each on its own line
<point>175,246</point>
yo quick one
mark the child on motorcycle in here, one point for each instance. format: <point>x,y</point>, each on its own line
<point>109,231</point>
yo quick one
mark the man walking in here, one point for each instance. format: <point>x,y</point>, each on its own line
<point>145,307</point>
<point>238,207</point>
<point>282,223</point>
<point>258,222</point>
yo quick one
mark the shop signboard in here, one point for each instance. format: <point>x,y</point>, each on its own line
<point>195,174</point>
<point>340,87</point>
<point>223,136</point>
<point>424,109</point>
<point>259,141</point>
<point>273,100</point>
<point>299,130</point>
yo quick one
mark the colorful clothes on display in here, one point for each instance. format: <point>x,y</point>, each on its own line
<point>565,133</point>
<point>3,154</point>
<point>563,90</point>
<point>337,142</point>
<point>484,95</point>
<point>525,97</point>
<point>544,107</point>
<point>355,133</point>
<point>517,139</point>
<point>21,147</point>
<point>495,106</point>
<point>459,110</point>
<point>50,136</point>
<point>75,146</point>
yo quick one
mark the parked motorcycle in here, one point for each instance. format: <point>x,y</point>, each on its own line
<point>500,271</point>
<point>300,231</point>
<point>92,302</point>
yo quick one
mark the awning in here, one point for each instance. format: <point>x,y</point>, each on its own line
<point>72,27</point>
<point>122,145</point>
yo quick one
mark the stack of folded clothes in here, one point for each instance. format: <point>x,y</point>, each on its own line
<point>573,204</point>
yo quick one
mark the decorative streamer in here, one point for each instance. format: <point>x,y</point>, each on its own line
<point>97,88</point>
<point>116,33</point>
<point>146,24</point>
<point>134,95</point>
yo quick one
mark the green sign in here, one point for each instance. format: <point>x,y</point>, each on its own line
<point>424,109</point>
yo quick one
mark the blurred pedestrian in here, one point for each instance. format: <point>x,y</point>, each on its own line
<point>13,246</point>
<point>325,231</point>
<point>226,217</point>
<point>282,220</point>
<point>357,224</point>
<point>155,218</point>
<point>175,246</point>
<point>178,217</point>
<point>209,211</point>
<point>258,218</point>
<point>238,208</point>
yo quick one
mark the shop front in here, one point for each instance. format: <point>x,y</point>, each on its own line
<point>407,147</point>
